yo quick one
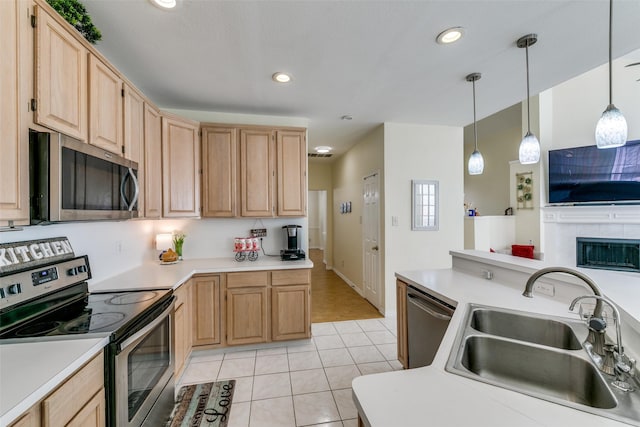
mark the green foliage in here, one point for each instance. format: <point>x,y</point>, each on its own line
<point>75,13</point>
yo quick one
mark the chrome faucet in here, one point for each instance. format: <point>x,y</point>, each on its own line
<point>528,290</point>
<point>623,366</point>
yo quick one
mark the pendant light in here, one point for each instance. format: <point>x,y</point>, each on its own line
<point>476,162</point>
<point>611,130</point>
<point>529,151</point>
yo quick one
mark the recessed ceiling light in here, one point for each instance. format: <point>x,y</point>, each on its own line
<point>450,35</point>
<point>164,4</point>
<point>281,77</point>
<point>323,149</point>
<point>347,117</point>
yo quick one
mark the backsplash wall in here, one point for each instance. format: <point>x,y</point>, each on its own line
<point>117,246</point>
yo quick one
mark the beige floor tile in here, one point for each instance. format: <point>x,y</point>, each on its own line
<point>271,385</point>
<point>374,368</point>
<point>366,354</point>
<point>326,342</point>
<point>344,401</point>
<point>381,337</point>
<point>347,327</point>
<point>276,412</point>
<point>242,392</point>
<point>315,408</point>
<point>341,376</point>
<point>198,356</point>
<point>350,423</point>
<point>396,365</point>
<point>239,415</point>
<point>239,354</point>
<point>301,346</point>
<point>310,381</point>
<point>271,351</point>
<point>335,357</point>
<point>304,361</point>
<point>233,368</point>
<point>318,329</point>
<point>272,364</point>
<point>389,351</point>
<point>333,424</point>
<point>356,339</point>
<point>371,325</point>
<point>200,372</point>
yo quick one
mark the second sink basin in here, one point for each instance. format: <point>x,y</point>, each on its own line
<point>536,370</point>
<point>525,328</point>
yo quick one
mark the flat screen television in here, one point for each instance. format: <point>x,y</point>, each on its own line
<point>593,175</point>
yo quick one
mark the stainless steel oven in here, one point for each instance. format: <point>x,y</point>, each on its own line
<point>142,378</point>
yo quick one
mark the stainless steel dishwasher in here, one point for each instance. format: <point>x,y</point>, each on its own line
<point>427,320</point>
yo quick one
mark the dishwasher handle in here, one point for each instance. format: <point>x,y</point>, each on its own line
<point>423,306</point>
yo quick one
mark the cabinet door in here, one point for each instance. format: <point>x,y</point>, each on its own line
<point>133,126</point>
<point>219,171</point>
<point>290,312</point>
<point>92,414</point>
<point>14,146</point>
<point>180,168</point>
<point>105,107</point>
<point>206,306</point>
<point>247,315</point>
<point>61,78</point>
<point>256,173</point>
<point>401,307</point>
<point>292,173</point>
<point>152,163</point>
<point>182,326</point>
<point>29,419</point>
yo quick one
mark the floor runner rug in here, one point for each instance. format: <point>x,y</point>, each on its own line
<point>203,405</point>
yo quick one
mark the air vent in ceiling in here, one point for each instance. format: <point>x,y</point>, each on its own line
<point>320,155</point>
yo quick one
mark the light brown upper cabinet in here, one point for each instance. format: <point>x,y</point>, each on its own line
<point>61,78</point>
<point>105,107</point>
<point>257,172</point>
<point>133,125</point>
<point>180,167</point>
<point>292,173</point>
<point>219,171</point>
<point>152,163</point>
<point>14,160</point>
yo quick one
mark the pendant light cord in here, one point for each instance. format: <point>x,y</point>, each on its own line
<point>610,48</point>
<point>475,130</point>
<point>528,97</point>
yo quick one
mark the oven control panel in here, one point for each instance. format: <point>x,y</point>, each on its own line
<point>25,285</point>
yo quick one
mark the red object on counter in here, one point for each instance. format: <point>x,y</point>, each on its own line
<point>525,251</point>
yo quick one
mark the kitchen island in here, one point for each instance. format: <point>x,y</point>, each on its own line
<point>432,396</point>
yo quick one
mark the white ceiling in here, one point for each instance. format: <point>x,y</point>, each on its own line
<point>375,60</point>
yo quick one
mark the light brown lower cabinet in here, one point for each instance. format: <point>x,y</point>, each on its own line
<point>290,313</point>
<point>182,326</point>
<point>207,314</point>
<point>247,315</point>
<point>30,419</point>
<point>91,414</point>
<point>401,307</point>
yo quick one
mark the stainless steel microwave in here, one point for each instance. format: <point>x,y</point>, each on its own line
<point>70,180</point>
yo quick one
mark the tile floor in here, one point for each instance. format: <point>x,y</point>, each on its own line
<point>300,383</point>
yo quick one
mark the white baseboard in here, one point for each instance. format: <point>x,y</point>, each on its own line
<point>349,282</point>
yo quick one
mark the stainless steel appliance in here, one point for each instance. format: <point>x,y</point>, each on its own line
<point>427,320</point>
<point>51,302</point>
<point>293,251</point>
<point>74,181</point>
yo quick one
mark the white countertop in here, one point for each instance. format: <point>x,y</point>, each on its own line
<point>432,396</point>
<point>30,371</point>
<point>153,275</point>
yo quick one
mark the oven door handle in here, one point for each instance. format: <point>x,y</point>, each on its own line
<point>142,332</point>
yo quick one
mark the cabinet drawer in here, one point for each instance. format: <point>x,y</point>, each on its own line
<point>248,279</point>
<point>290,277</point>
<point>64,403</point>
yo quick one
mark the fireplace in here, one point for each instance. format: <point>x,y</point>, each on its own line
<point>608,254</point>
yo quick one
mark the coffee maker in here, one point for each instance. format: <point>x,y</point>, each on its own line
<point>293,251</point>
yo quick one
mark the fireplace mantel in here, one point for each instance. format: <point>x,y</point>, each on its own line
<point>609,214</point>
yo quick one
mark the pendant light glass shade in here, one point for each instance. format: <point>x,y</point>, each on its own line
<point>529,151</point>
<point>476,161</point>
<point>611,130</point>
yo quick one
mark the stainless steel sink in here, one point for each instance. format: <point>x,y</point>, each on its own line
<point>540,356</point>
<point>536,330</point>
<point>538,370</point>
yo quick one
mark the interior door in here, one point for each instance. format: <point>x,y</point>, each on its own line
<point>371,230</point>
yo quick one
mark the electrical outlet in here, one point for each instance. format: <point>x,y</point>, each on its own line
<point>545,288</point>
<point>394,221</point>
<point>118,246</point>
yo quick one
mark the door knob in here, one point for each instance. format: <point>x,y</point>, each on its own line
<point>375,248</point>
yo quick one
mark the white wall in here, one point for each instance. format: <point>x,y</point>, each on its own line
<point>420,152</point>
